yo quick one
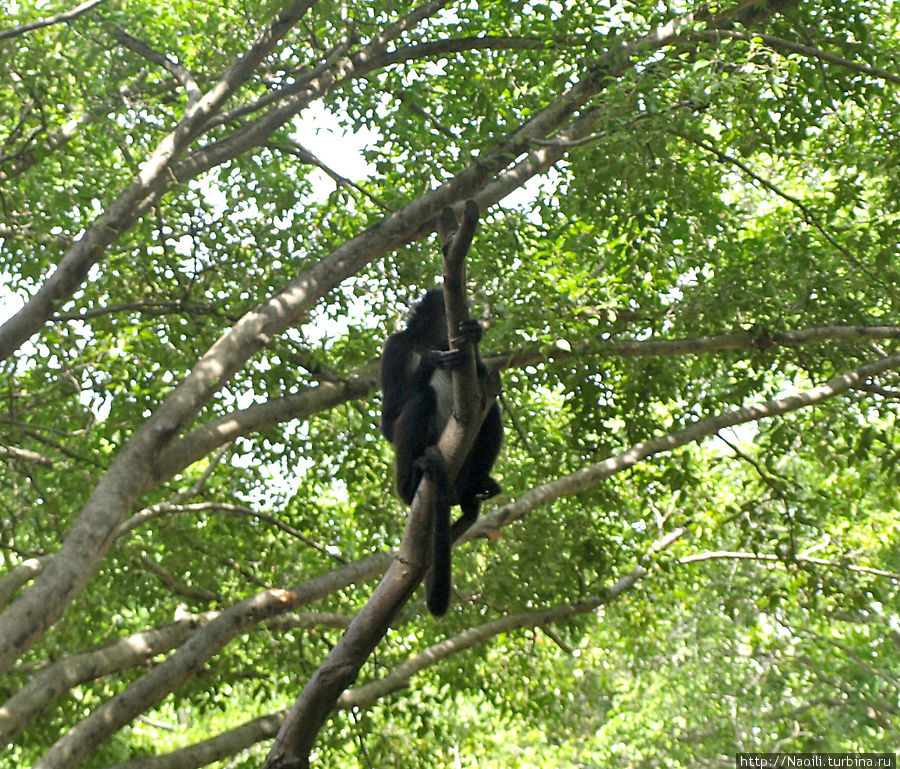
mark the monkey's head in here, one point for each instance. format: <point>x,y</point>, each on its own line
<point>427,324</point>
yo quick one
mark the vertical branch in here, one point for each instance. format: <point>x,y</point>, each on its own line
<point>468,398</point>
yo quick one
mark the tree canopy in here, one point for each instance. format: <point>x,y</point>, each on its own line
<point>686,264</point>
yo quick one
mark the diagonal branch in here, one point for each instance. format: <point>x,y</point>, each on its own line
<point>316,701</point>
<point>703,428</point>
<point>65,673</point>
<point>717,555</point>
<point>76,745</point>
<point>181,73</point>
<point>303,404</point>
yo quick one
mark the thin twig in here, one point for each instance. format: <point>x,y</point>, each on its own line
<point>59,18</point>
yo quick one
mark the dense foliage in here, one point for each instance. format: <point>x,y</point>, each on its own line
<point>211,216</point>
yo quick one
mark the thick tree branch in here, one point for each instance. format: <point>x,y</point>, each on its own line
<point>60,676</point>
<point>229,742</point>
<point>297,735</point>
<point>197,444</point>
<point>71,749</point>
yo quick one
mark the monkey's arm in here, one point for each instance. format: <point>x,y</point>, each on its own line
<point>395,384</point>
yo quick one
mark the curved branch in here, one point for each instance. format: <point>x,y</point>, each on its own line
<point>229,742</point>
<point>19,576</point>
<point>63,674</point>
<point>811,219</point>
<point>204,439</point>
<point>216,748</point>
<point>168,508</point>
<point>187,80</point>
<point>197,444</point>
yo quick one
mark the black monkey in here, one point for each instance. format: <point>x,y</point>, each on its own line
<point>417,401</point>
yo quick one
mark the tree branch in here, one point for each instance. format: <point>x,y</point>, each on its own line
<point>204,439</point>
<point>58,18</point>
<point>779,44</point>
<point>714,555</point>
<point>76,745</point>
<point>297,734</point>
<point>181,73</point>
<point>63,674</point>
<point>703,428</point>
<point>230,742</point>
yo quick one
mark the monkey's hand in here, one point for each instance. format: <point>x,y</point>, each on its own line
<point>449,359</point>
<point>469,330</point>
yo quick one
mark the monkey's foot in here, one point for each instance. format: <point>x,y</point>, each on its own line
<point>491,489</point>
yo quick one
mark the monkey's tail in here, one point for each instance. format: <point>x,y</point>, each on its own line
<point>439,577</point>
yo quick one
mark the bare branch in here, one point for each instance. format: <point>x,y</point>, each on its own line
<point>24,455</point>
<point>165,508</point>
<point>703,428</point>
<point>72,748</point>
<point>175,585</point>
<point>808,216</point>
<point>197,444</point>
<point>229,742</point>
<point>305,156</point>
<point>20,575</point>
